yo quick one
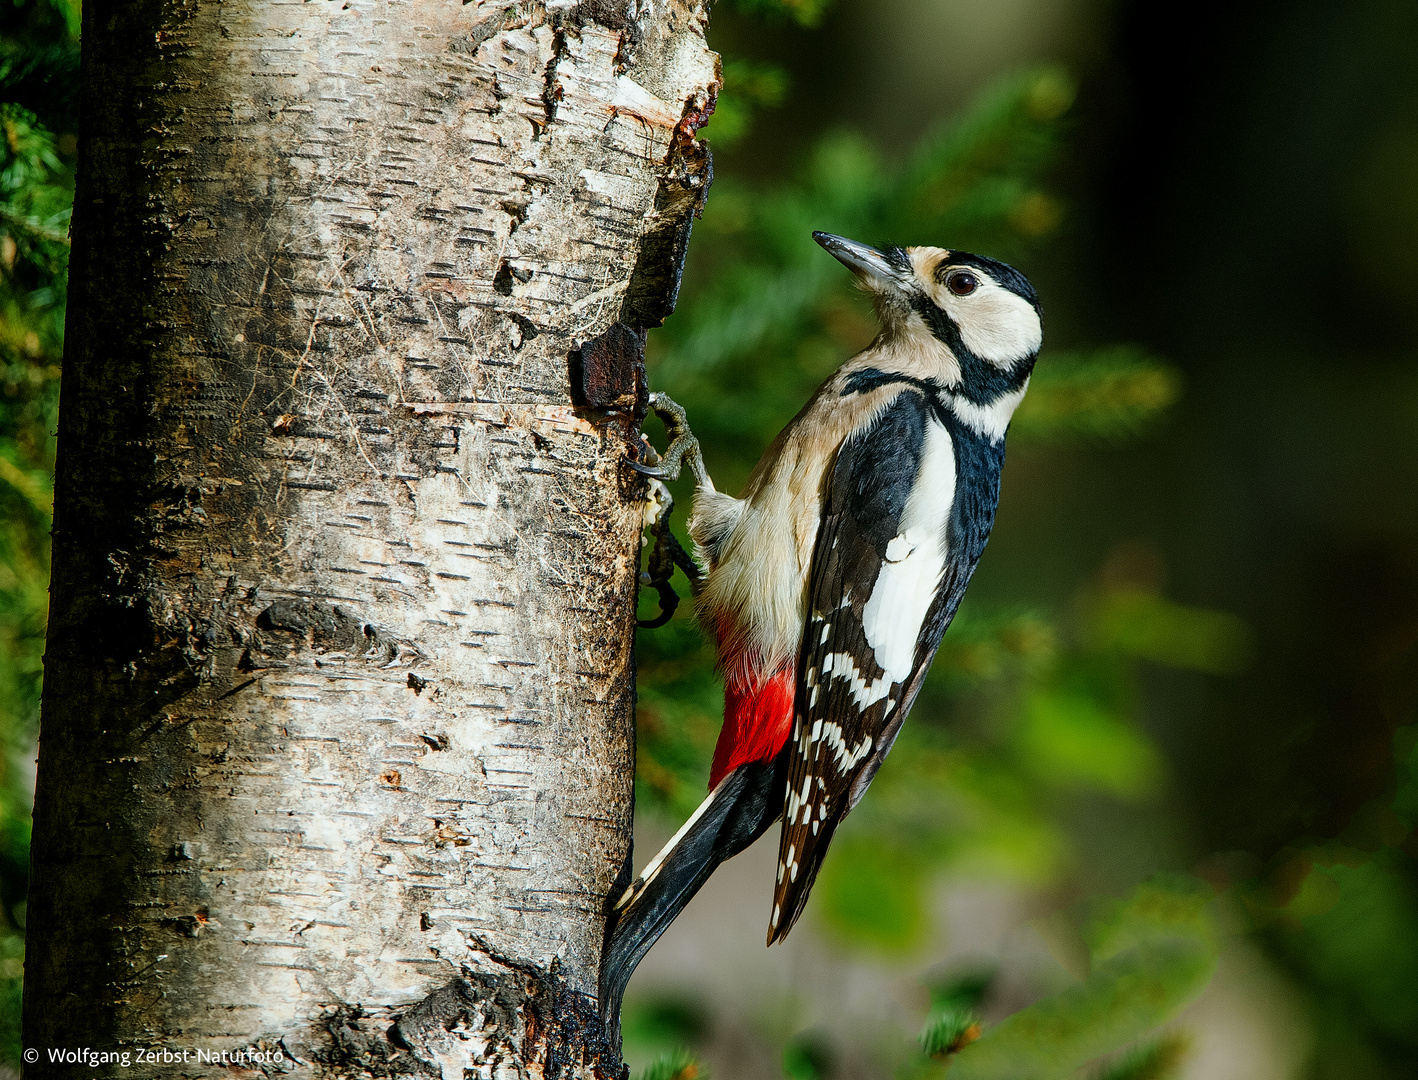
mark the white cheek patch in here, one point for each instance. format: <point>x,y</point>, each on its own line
<point>998,326</point>
<point>905,586</point>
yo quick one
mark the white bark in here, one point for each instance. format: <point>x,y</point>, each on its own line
<point>339,700</point>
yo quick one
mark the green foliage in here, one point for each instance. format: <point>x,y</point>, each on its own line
<point>1132,621</point>
<point>875,894</point>
<point>661,1021</point>
<point>1344,917</point>
<point>661,1032</point>
<point>1159,1059</point>
<point>807,1056</point>
<point>38,59</point>
<point>952,1024</point>
<point>1068,736</point>
<point>675,1065</point>
<point>748,87</point>
<point>1362,939</point>
<point>678,714</point>
<point>802,12</point>
<point>766,285</point>
<point>1110,393</point>
<point>35,197</point>
<point>949,1032</point>
<point>12,959</point>
<point>1150,954</point>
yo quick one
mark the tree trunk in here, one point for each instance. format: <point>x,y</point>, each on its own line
<point>337,743</point>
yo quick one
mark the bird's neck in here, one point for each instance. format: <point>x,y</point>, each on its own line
<point>907,347</point>
<point>981,396</point>
<point>988,417</point>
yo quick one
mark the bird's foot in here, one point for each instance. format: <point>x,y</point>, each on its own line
<point>666,554</point>
<point>683,445</point>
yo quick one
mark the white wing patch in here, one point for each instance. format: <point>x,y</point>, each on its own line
<point>900,548</point>
<point>915,558</point>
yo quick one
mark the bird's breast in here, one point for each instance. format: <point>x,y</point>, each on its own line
<point>755,595</point>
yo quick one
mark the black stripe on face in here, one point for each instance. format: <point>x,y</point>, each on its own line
<point>980,381</point>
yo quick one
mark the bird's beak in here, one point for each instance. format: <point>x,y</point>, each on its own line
<point>876,267</point>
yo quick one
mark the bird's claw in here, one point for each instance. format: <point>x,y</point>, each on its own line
<point>683,445</point>
<point>654,472</point>
<point>667,552</point>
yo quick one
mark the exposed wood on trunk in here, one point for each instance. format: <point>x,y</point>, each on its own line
<point>338,711</point>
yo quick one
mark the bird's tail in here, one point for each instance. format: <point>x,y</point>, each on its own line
<point>737,812</point>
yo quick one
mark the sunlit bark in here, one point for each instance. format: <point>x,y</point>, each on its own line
<point>336,754</point>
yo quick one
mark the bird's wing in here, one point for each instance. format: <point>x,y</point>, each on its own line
<point>883,586</point>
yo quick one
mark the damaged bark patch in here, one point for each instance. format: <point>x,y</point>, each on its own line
<point>332,630</point>
<point>519,1023</point>
<point>358,1047</point>
<point>484,29</point>
<point>608,373</point>
<point>653,291</point>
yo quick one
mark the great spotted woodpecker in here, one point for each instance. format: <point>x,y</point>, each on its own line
<point>829,583</point>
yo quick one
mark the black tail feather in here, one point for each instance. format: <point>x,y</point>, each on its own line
<point>736,814</point>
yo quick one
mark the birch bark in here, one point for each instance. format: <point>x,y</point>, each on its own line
<point>337,741</point>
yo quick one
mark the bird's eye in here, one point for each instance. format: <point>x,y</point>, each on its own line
<point>962,283</point>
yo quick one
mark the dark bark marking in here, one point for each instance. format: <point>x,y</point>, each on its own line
<point>506,275</point>
<point>653,291</point>
<point>287,626</point>
<point>608,373</point>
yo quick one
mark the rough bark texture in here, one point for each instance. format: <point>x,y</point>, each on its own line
<point>337,738</point>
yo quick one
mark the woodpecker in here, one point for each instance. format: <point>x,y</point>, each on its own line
<point>829,582</point>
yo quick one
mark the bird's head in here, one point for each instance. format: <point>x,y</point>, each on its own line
<point>984,313</point>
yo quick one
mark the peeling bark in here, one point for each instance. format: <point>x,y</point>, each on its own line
<point>337,746</point>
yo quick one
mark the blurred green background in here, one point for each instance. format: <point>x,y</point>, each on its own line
<point>1174,730</point>
<point>1188,665</point>
<point>39,67</point>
